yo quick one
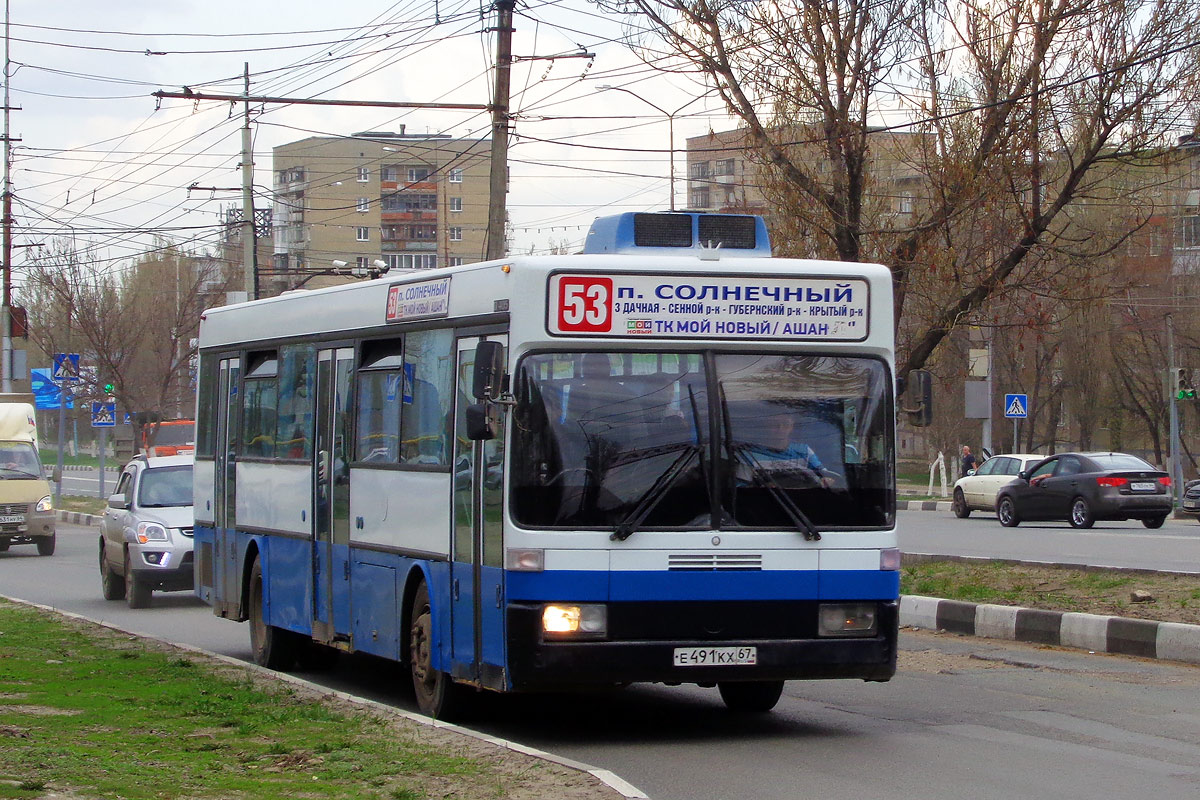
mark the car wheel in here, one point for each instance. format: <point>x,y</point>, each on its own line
<point>137,592</point>
<point>1081,514</point>
<point>273,648</point>
<point>438,696</point>
<point>111,584</point>
<point>1006,512</point>
<point>1154,522</point>
<point>961,510</point>
<point>3,546</point>
<point>751,696</point>
<point>45,545</point>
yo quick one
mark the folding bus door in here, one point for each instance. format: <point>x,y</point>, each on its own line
<point>331,496</point>
<point>227,587</point>
<point>476,569</point>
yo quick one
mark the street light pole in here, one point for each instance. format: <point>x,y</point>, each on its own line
<point>670,126</point>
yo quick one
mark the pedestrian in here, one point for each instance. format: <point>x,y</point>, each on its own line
<point>968,459</point>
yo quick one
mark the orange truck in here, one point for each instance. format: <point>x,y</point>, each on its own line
<point>170,437</point>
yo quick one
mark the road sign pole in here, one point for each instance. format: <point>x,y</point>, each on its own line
<point>1015,448</point>
<point>62,429</point>
<point>103,447</point>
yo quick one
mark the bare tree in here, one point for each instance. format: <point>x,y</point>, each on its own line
<point>1022,113</point>
<point>134,327</point>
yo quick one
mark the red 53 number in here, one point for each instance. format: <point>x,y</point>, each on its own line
<point>585,304</point>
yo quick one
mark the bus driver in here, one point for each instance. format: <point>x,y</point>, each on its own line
<point>777,451</point>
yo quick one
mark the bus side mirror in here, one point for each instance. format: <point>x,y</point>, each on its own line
<point>482,421</point>
<point>918,398</point>
<point>489,370</point>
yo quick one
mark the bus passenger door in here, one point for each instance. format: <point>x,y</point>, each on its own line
<point>476,568</point>
<point>331,497</point>
<point>227,588</point>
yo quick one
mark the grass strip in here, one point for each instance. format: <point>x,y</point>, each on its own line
<point>97,713</point>
<point>1176,598</point>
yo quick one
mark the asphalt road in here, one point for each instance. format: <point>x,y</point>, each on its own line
<point>963,718</point>
<point>1175,547</point>
<point>86,483</point>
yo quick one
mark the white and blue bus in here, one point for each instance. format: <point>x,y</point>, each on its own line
<point>670,458</point>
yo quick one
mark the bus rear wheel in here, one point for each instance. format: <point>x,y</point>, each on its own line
<point>755,696</point>
<point>438,696</point>
<point>273,648</point>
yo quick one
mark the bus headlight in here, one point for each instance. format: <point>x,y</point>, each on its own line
<point>847,619</point>
<point>151,532</point>
<point>582,621</point>
<point>45,504</point>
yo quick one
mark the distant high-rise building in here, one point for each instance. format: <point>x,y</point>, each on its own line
<point>410,201</point>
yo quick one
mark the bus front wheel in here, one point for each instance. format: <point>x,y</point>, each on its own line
<point>273,648</point>
<point>438,696</point>
<point>757,696</point>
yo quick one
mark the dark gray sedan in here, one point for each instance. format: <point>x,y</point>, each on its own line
<point>1084,487</point>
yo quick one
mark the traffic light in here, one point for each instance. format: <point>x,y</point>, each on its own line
<point>108,388</point>
<point>1184,390</point>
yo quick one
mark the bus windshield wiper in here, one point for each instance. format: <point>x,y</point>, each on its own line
<point>763,478</point>
<point>656,493</point>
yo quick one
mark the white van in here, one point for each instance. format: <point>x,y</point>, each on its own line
<point>26,509</point>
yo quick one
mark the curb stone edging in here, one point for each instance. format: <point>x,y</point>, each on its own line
<point>77,518</point>
<point>607,777</point>
<point>1171,641</point>
<point>924,505</point>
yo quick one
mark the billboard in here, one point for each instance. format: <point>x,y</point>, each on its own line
<point>45,391</point>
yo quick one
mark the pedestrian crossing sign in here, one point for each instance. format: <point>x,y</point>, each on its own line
<point>1016,405</point>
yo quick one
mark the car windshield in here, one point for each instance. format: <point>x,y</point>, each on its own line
<point>19,460</point>
<point>173,434</point>
<point>628,441</point>
<point>166,486</point>
<point>1121,461</point>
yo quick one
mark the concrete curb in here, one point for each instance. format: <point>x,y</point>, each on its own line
<point>77,518</point>
<point>1171,641</point>
<point>608,778</point>
<point>924,505</point>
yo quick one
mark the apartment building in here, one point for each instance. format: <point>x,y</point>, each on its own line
<point>377,199</point>
<point>723,177</point>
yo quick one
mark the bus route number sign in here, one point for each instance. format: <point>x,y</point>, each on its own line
<point>752,307</point>
<point>585,304</point>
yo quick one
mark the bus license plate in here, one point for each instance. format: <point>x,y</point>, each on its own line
<point>1142,487</point>
<point>715,656</point>
<point>10,518</point>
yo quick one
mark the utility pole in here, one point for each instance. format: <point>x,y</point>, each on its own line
<point>498,187</point>
<point>6,343</point>
<point>1176,467</point>
<point>249,243</point>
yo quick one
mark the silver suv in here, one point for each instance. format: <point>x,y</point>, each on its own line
<point>146,531</point>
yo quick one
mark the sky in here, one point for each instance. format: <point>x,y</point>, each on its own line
<point>97,158</point>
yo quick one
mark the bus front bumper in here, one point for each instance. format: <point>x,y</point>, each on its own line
<point>538,665</point>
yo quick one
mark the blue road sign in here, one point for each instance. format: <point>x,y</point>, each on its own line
<point>104,415</point>
<point>1016,406</point>
<point>66,368</point>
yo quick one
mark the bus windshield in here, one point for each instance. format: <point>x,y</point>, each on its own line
<point>704,440</point>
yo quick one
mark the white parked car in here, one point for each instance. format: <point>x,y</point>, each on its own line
<point>976,491</point>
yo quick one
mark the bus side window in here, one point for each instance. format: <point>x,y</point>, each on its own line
<point>426,419</point>
<point>259,405</point>
<point>296,401</point>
